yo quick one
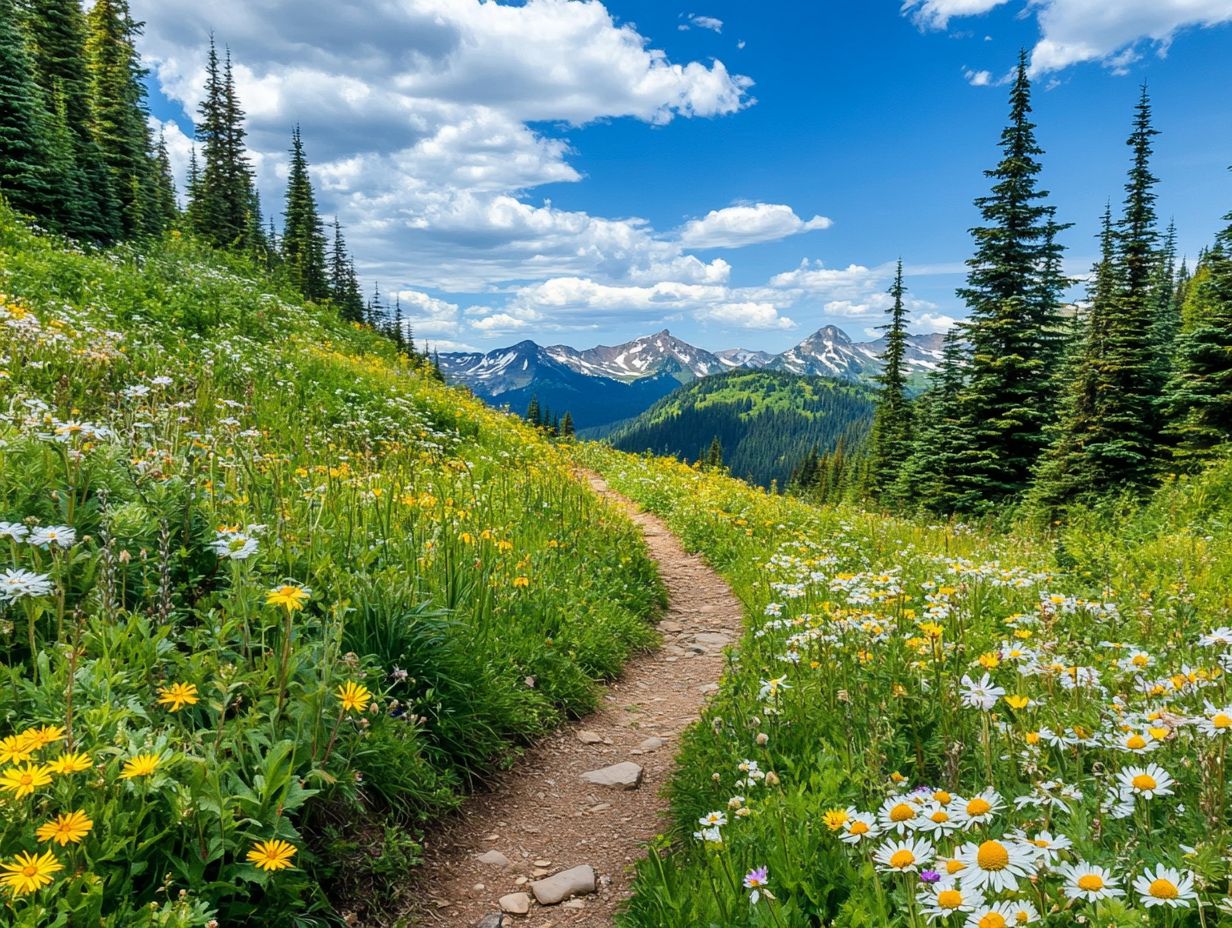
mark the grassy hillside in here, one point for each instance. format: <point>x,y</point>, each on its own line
<point>271,599</point>
<point>766,421</point>
<point>928,724</point>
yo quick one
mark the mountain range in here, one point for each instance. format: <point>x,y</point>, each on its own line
<point>606,384</point>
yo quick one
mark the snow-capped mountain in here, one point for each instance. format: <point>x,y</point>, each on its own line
<point>607,383</point>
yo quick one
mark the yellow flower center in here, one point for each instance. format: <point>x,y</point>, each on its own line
<point>1163,889</point>
<point>940,817</point>
<point>1090,882</point>
<point>1221,720</point>
<point>1135,742</point>
<point>949,899</point>
<point>30,871</point>
<point>1144,781</point>
<point>992,920</point>
<point>1040,842</point>
<point>992,855</point>
<point>941,797</point>
<point>978,806</point>
<point>858,828</point>
<point>954,866</point>
<point>1022,917</point>
<point>26,779</point>
<point>902,813</point>
<point>1158,732</point>
<point>1140,660</point>
<point>900,860</point>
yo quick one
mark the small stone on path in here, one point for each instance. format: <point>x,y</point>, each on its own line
<point>494,859</point>
<point>625,775</point>
<point>578,881</point>
<point>589,737</point>
<point>515,903</point>
<point>492,920</point>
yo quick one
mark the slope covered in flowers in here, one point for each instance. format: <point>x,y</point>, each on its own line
<point>270,597</point>
<point>925,725</point>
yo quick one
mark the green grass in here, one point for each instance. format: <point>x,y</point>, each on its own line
<point>158,402</point>
<point>864,633</point>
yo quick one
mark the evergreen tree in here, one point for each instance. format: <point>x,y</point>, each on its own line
<point>1107,437</point>
<point>223,197</point>
<point>303,237</point>
<point>1198,400</point>
<point>376,309</point>
<point>25,178</point>
<point>57,34</point>
<point>930,476</point>
<point>164,200</point>
<point>891,435</point>
<point>567,429</point>
<point>343,284</point>
<point>714,455</point>
<point>1013,327</point>
<point>533,415</point>
<point>118,114</point>
<point>399,323</point>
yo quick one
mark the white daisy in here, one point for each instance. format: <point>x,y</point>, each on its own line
<point>1024,913</point>
<point>944,898</point>
<point>859,827</point>
<point>997,915</point>
<point>1045,846</point>
<point>1089,882</point>
<point>995,865</point>
<point>1215,721</point>
<point>898,815</point>
<point>14,531</point>
<point>936,820</point>
<point>1219,637</point>
<point>1148,782</point>
<point>46,536</point>
<point>18,584</point>
<point>903,856</point>
<point>1165,886</point>
<point>981,695</point>
<point>980,809</point>
<point>713,819</point>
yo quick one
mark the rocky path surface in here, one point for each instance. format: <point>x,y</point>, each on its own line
<point>554,843</point>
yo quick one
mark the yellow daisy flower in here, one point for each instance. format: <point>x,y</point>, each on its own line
<point>68,828</point>
<point>178,695</point>
<point>71,763</point>
<point>22,781</point>
<point>272,855</point>
<point>290,596</point>
<point>29,873</point>
<point>41,737</point>
<point>354,696</point>
<point>15,749</point>
<point>141,765</point>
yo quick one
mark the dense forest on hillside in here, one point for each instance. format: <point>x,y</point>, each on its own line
<point>764,421</point>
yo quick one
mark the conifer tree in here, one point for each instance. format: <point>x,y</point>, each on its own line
<point>303,236</point>
<point>1108,434</point>
<point>891,434</point>
<point>399,323</point>
<point>343,284</point>
<point>164,200</point>
<point>567,429</point>
<point>376,309</point>
<point>25,178</point>
<point>57,35</point>
<point>1198,400</point>
<point>1013,325</point>
<point>223,197</point>
<point>714,455</point>
<point>533,414</point>
<point>930,474</point>
<point>118,114</point>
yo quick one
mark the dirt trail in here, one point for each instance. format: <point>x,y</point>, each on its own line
<point>542,816</point>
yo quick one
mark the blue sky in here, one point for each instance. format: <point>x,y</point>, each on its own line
<point>586,172</point>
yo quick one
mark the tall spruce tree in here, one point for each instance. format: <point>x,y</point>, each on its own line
<point>25,178</point>
<point>164,199</point>
<point>119,118</point>
<point>57,34</point>
<point>1013,327</point>
<point>1198,400</point>
<point>891,434</point>
<point>929,477</point>
<point>224,197</point>
<point>1107,439</point>
<point>303,236</point>
<point>343,284</point>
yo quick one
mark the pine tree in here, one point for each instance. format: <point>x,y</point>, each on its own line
<point>343,283</point>
<point>930,474</point>
<point>1198,400</point>
<point>118,114</point>
<point>891,435</point>
<point>1013,327</point>
<point>164,199</point>
<point>714,455</point>
<point>376,309</point>
<point>224,196</point>
<point>1108,433</point>
<point>533,414</point>
<point>567,429</point>
<point>25,178</point>
<point>57,34</point>
<point>303,236</point>
<point>399,324</point>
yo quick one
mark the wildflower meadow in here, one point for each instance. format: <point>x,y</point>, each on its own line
<point>271,597</point>
<point>930,725</point>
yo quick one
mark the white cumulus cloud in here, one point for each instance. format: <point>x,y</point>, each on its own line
<point>736,226</point>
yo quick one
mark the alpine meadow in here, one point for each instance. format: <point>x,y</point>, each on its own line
<point>365,562</point>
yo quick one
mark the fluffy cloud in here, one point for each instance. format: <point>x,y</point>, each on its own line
<point>1074,31</point>
<point>736,226</point>
<point>748,315</point>
<point>978,78</point>
<point>929,323</point>
<point>713,23</point>
<point>424,123</point>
